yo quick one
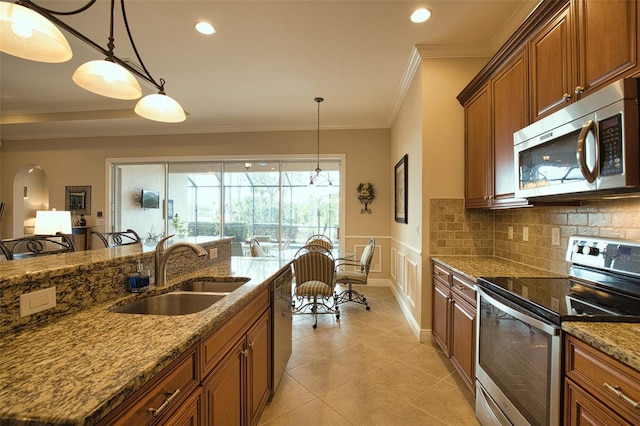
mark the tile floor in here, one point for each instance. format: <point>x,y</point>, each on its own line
<point>367,369</point>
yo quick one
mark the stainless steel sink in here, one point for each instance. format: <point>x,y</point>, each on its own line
<point>176,303</point>
<point>226,285</point>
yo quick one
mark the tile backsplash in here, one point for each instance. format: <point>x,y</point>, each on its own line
<point>456,231</point>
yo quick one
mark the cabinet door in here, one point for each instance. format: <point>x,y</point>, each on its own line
<point>441,315</point>
<point>608,41</point>
<point>259,366</point>
<point>189,413</point>
<point>463,342</point>
<point>551,66</point>
<point>581,409</point>
<point>509,90</point>
<point>224,389</point>
<point>478,176</point>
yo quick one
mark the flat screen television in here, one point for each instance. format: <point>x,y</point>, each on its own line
<point>150,199</point>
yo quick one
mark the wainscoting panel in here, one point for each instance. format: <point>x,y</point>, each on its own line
<point>412,282</point>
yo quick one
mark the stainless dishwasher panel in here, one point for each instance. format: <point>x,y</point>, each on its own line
<point>281,323</point>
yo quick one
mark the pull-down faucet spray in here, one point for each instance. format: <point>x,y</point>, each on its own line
<point>162,255</point>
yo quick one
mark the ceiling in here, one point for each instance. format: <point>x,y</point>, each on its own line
<point>262,69</point>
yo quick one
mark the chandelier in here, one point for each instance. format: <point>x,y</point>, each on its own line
<point>317,178</point>
<point>27,31</point>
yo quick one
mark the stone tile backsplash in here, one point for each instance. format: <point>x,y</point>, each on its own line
<point>456,231</point>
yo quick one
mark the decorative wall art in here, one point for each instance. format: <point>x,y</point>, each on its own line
<point>78,199</point>
<point>366,194</point>
<point>401,189</point>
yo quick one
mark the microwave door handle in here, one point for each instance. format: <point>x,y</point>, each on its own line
<point>581,155</point>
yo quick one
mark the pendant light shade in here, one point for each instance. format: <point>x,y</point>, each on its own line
<point>29,35</point>
<point>160,107</point>
<point>107,78</point>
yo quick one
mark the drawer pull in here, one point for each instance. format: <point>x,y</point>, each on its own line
<point>617,392</point>
<point>171,396</point>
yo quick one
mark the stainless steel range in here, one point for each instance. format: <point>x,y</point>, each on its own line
<point>518,370</point>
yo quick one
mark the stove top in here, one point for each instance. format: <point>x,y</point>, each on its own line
<point>603,284</point>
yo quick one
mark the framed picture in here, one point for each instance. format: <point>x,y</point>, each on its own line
<point>77,199</point>
<point>401,185</point>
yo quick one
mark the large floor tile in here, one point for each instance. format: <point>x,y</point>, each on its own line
<point>322,376</point>
<point>313,413</point>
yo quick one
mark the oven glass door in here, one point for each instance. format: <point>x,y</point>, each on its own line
<point>520,355</point>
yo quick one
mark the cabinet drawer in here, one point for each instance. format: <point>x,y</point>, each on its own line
<point>614,383</point>
<point>441,274</point>
<point>214,346</point>
<point>163,394</point>
<point>465,289</point>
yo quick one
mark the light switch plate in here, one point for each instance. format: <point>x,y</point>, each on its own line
<point>525,233</point>
<point>213,253</point>
<point>37,301</point>
<point>510,233</point>
<point>555,236</point>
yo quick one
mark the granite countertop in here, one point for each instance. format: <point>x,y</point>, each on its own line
<point>619,340</point>
<point>78,368</point>
<point>473,267</point>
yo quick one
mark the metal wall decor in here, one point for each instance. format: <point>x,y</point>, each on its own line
<point>401,189</point>
<point>77,199</point>
<point>366,194</point>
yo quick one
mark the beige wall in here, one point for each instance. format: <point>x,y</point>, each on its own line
<point>82,161</point>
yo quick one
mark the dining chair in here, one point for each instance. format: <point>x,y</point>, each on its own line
<point>314,290</point>
<point>256,248</point>
<point>114,239</point>
<point>350,272</point>
<point>36,245</point>
<point>320,240</point>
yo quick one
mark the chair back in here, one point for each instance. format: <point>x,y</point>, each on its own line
<point>367,256</point>
<point>114,239</point>
<point>320,240</point>
<point>36,245</point>
<point>256,248</point>
<point>314,266</point>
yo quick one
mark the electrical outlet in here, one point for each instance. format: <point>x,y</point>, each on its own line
<point>37,301</point>
<point>525,233</point>
<point>525,291</point>
<point>555,236</point>
<point>213,253</point>
<point>100,222</point>
<point>510,234</point>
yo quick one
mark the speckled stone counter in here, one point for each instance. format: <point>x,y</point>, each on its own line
<point>75,370</point>
<point>619,340</point>
<point>473,267</point>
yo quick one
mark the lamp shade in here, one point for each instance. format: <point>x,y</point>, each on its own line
<point>160,107</point>
<point>27,34</point>
<point>50,222</point>
<point>108,79</point>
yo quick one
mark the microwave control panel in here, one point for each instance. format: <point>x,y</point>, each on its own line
<point>610,141</point>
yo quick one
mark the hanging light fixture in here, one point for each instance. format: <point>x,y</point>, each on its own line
<point>317,177</point>
<point>111,77</point>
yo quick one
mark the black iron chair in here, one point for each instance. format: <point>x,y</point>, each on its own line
<point>314,291</point>
<point>350,272</point>
<point>114,239</point>
<point>36,245</point>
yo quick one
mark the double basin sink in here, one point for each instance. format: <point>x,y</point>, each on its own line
<point>195,296</point>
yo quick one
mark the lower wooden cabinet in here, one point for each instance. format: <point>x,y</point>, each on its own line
<point>454,320</point>
<point>599,390</point>
<point>189,413</point>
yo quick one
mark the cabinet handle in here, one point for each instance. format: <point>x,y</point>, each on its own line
<point>171,396</point>
<point>461,288</point>
<point>579,90</point>
<point>245,353</point>
<point>251,344</point>
<point>617,392</point>
<point>566,97</point>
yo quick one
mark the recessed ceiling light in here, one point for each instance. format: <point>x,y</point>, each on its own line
<point>420,15</point>
<point>205,28</point>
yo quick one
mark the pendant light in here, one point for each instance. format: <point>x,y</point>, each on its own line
<point>315,179</point>
<point>29,35</point>
<point>111,77</point>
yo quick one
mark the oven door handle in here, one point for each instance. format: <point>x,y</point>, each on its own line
<point>526,318</point>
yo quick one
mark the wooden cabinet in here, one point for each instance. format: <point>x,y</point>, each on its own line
<point>588,45</point>
<point>599,390</point>
<point>162,396</point>
<point>236,364</point>
<point>454,321</point>
<point>478,169</point>
<point>189,413</point>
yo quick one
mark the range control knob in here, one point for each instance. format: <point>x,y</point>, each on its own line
<point>594,251</point>
<point>578,249</point>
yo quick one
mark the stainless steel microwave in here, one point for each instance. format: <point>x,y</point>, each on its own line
<point>589,148</point>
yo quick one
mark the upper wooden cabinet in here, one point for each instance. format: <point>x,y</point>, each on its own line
<point>562,52</point>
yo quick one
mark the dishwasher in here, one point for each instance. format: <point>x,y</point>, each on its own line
<point>281,323</point>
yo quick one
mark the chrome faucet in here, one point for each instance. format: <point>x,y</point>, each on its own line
<point>162,255</point>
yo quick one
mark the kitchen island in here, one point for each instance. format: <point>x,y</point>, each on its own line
<point>78,368</point>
